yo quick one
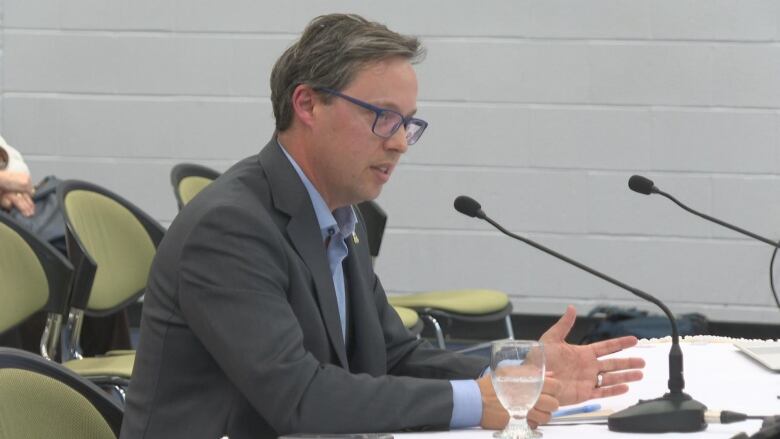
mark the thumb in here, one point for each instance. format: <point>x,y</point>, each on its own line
<point>561,328</point>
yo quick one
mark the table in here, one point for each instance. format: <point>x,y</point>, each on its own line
<point>716,374</point>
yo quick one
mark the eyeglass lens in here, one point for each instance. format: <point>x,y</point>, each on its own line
<point>388,122</point>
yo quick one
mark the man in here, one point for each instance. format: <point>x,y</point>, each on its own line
<point>263,315</point>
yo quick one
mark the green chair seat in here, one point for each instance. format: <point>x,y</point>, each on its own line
<point>33,405</point>
<point>120,366</point>
<point>41,399</point>
<point>121,352</point>
<point>188,179</point>
<point>467,302</point>
<point>119,243</point>
<point>409,317</point>
<point>191,186</point>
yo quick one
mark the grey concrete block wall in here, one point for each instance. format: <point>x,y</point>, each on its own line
<point>541,109</point>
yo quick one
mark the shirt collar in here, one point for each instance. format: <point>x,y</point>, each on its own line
<point>342,219</point>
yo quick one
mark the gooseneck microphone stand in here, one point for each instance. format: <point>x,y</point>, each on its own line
<point>675,411</point>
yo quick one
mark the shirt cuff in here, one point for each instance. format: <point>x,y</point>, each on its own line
<point>466,404</point>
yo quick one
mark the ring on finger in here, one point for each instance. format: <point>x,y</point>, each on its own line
<point>599,380</point>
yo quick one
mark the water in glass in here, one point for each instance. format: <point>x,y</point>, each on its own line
<point>518,376</point>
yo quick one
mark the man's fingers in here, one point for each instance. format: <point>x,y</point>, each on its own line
<point>542,411</point>
<point>604,392</point>
<point>552,386</point>
<point>23,203</point>
<point>614,378</point>
<point>611,346</point>
<point>617,364</point>
<point>561,328</point>
<point>546,403</point>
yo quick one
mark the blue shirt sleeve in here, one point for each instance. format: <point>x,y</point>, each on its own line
<point>466,404</point>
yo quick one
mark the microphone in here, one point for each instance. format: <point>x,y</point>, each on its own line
<point>675,411</point>
<point>645,186</point>
<point>469,207</point>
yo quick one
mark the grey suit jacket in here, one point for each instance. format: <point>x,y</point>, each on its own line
<point>241,335</point>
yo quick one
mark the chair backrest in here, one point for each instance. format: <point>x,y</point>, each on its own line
<point>40,398</point>
<point>35,277</point>
<point>188,179</point>
<point>111,244</point>
<point>374,219</point>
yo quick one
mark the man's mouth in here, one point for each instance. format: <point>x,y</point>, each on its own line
<point>383,171</point>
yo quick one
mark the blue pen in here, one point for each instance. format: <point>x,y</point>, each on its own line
<point>577,410</point>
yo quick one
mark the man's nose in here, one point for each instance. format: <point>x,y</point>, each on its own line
<point>397,141</point>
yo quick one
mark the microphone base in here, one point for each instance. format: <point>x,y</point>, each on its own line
<point>670,413</point>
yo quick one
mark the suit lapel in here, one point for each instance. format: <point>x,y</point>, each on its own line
<point>290,196</point>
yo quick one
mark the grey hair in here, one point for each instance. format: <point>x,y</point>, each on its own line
<point>331,50</point>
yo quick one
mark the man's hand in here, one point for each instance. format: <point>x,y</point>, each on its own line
<point>546,404</point>
<point>18,200</point>
<point>578,367</point>
<point>12,181</point>
<point>495,417</point>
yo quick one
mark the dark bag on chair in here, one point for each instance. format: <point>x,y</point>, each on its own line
<point>47,223</point>
<point>616,322</point>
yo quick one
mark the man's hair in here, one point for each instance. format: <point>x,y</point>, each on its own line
<point>331,50</point>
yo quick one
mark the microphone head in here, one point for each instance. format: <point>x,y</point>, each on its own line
<point>640,184</point>
<point>468,206</point>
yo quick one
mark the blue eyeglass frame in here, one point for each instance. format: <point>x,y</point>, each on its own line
<point>405,121</point>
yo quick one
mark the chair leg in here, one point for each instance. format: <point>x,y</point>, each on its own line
<point>437,328</point>
<point>73,329</point>
<point>509,331</point>
<point>51,336</point>
<point>122,394</point>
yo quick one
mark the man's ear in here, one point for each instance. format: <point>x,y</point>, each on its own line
<point>304,99</point>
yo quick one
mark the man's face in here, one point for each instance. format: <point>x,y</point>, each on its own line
<point>350,162</point>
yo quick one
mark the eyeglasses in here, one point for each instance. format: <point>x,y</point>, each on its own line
<point>386,122</point>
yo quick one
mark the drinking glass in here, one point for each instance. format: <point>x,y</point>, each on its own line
<point>518,376</point>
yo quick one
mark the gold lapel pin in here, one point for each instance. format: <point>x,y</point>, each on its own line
<point>355,238</point>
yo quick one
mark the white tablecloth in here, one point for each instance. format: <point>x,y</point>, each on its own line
<point>716,374</point>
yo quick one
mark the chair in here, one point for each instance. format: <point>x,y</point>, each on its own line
<point>189,179</point>
<point>35,277</point>
<point>471,305</point>
<point>42,399</point>
<point>111,244</point>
